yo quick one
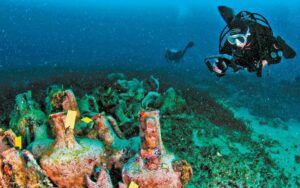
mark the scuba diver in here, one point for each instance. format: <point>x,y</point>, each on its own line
<point>247,42</point>
<point>174,56</point>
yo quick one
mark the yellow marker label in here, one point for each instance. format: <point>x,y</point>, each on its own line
<point>18,142</point>
<point>133,185</point>
<point>70,120</point>
<point>86,120</point>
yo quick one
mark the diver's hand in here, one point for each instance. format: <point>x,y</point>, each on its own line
<point>212,66</point>
<point>264,63</point>
<point>209,64</point>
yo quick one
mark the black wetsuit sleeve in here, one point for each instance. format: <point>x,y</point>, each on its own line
<point>227,49</point>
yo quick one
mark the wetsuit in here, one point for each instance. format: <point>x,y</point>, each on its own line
<point>261,46</point>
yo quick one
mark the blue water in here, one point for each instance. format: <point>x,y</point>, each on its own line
<point>40,35</point>
<point>135,33</point>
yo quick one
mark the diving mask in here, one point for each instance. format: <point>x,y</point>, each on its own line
<point>239,39</point>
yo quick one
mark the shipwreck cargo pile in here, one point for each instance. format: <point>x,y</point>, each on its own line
<point>128,131</point>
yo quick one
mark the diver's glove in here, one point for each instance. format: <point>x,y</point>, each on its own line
<point>216,65</point>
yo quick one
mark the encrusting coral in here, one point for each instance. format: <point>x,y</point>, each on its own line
<point>19,168</point>
<point>27,119</point>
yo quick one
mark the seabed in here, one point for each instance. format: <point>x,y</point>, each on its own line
<point>203,137</point>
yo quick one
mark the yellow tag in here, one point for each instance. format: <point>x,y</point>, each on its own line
<point>86,120</point>
<point>18,142</point>
<point>70,120</point>
<point>133,185</point>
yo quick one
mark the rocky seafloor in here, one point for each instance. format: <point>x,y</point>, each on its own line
<point>141,131</point>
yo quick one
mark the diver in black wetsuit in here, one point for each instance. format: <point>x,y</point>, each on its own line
<point>249,44</point>
<point>174,56</point>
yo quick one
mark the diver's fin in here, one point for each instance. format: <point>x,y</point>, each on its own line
<point>190,44</point>
<point>226,13</point>
<point>288,52</point>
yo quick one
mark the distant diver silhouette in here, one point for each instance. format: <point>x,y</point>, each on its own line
<point>247,42</point>
<point>174,56</point>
